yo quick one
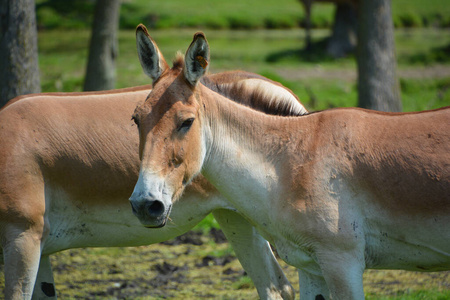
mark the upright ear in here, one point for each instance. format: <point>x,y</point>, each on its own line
<point>196,59</point>
<point>152,60</point>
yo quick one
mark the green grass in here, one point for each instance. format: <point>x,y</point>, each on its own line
<point>425,94</point>
<point>132,273</point>
<point>215,14</point>
<point>416,295</point>
<point>244,282</point>
<point>206,224</point>
<point>232,14</point>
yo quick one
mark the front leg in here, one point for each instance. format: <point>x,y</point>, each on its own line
<point>44,287</point>
<point>255,255</point>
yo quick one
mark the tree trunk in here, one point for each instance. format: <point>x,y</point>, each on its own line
<point>101,73</point>
<point>307,4</point>
<point>19,68</point>
<point>378,86</point>
<point>344,37</point>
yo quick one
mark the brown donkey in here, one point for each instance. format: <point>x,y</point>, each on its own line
<point>68,163</point>
<point>336,192</point>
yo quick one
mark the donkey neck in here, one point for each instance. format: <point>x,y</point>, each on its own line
<point>246,149</point>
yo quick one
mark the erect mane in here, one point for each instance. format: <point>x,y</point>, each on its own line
<point>266,95</point>
<point>256,92</point>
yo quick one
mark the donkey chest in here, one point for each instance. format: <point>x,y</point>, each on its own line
<point>294,252</point>
<point>297,255</point>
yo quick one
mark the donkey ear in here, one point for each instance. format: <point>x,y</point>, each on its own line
<point>196,59</point>
<point>152,60</point>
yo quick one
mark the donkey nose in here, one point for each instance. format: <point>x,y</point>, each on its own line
<point>154,208</point>
<point>134,207</point>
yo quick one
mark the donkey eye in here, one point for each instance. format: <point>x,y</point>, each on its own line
<point>186,124</point>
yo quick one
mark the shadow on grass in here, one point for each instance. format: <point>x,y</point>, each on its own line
<point>316,53</point>
<point>436,55</point>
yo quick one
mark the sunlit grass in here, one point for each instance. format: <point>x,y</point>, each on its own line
<point>115,273</point>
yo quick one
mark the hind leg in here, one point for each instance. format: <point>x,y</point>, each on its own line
<point>312,286</point>
<point>44,287</point>
<point>343,272</point>
<point>255,256</point>
<point>21,251</point>
<point>22,229</point>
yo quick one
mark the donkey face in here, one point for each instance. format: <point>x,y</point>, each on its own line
<point>172,146</point>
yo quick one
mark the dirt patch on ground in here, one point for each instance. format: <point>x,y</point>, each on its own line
<point>193,266</point>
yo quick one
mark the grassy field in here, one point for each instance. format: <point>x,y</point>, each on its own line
<point>180,270</point>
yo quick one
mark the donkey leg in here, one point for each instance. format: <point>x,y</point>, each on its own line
<point>312,286</point>
<point>22,251</point>
<point>44,287</point>
<point>255,255</point>
<point>343,273</point>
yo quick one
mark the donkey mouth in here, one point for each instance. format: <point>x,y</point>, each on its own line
<point>159,222</point>
<point>156,226</point>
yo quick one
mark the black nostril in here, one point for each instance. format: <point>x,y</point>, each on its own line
<point>155,208</point>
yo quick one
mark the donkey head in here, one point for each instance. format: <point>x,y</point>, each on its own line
<point>172,146</point>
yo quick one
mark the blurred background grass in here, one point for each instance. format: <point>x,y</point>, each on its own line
<point>261,36</point>
<point>319,81</point>
<point>217,14</point>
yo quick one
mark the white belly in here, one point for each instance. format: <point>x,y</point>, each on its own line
<point>76,223</point>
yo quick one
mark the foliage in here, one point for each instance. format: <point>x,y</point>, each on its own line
<point>417,13</point>
<point>73,14</point>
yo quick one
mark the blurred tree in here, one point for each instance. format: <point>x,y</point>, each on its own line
<point>19,69</point>
<point>101,73</point>
<point>343,38</point>
<point>378,85</point>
